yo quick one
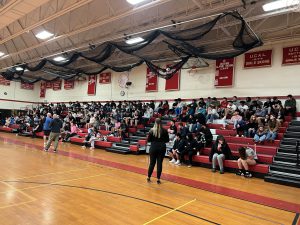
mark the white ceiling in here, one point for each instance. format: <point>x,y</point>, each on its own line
<point>77,23</point>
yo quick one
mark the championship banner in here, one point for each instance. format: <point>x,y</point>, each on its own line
<point>4,82</point>
<point>105,78</point>
<point>224,72</point>
<point>151,81</point>
<point>48,84</point>
<point>43,90</point>
<point>173,83</point>
<point>27,86</point>
<point>291,55</point>
<point>258,59</point>
<point>92,85</point>
<point>68,84</point>
<point>56,85</point>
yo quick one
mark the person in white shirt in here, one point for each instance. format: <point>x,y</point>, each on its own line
<point>247,158</point>
<point>231,108</point>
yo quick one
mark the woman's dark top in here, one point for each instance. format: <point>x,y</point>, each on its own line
<point>224,150</point>
<point>164,136</point>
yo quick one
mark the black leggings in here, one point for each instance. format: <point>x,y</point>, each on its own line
<point>190,153</point>
<point>157,154</point>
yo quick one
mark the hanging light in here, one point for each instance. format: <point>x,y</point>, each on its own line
<point>134,2</point>
<point>279,4</point>
<point>134,40</point>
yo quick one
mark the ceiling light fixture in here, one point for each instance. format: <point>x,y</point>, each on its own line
<point>279,4</point>
<point>44,35</point>
<point>135,40</point>
<point>134,2</point>
<point>19,68</point>
<point>2,54</point>
<point>59,59</point>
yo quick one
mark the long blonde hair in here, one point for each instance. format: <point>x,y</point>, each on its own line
<point>157,129</point>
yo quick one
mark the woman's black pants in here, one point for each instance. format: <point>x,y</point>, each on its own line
<point>157,153</point>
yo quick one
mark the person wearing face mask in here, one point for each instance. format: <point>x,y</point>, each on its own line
<point>219,152</point>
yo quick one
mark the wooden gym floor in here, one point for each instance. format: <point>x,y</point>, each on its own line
<point>77,186</point>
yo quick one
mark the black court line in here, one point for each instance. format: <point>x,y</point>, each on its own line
<point>295,219</point>
<point>119,194</point>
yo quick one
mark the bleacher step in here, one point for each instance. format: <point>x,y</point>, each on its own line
<point>285,158</point>
<point>282,180</point>
<point>284,168</point>
<point>118,150</point>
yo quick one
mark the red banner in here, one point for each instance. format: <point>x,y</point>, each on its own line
<point>92,85</point>
<point>27,86</point>
<point>56,85</point>
<point>43,90</point>
<point>224,72</point>
<point>68,84</point>
<point>291,55</point>
<point>151,81</point>
<point>258,59</point>
<point>173,83</point>
<point>3,81</point>
<point>105,78</point>
<point>48,85</point>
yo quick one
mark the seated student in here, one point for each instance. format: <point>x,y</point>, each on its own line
<point>231,108</point>
<point>219,152</point>
<point>73,131</point>
<point>273,126</point>
<point>123,130</point>
<point>204,137</point>
<point>172,131</point>
<point>247,158</point>
<point>7,122</point>
<point>200,110</point>
<point>183,130</point>
<point>38,128</point>
<point>135,118</point>
<point>90,138</point>
<point>267,105</point>
<point>212,114</point>
<point>223,106</point>
<point>260,135</point>
<point>192,123</point>
<point>190,149</point>
<point>290,106</point>
<point>244,109</point>
<point>252,126</point>
<point>235,119</point>
<point>177,149</point>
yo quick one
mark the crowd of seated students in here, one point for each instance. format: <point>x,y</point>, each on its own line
<point>250,118</point>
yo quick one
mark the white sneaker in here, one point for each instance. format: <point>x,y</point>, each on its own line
<point>172,161</point>
<point>91,148</point>
<point>178,163</point>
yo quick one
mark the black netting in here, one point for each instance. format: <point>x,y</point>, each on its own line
<point>177,45</point>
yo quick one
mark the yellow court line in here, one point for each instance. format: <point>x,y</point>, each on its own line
<point>18,190</point>
<point>173,210</point>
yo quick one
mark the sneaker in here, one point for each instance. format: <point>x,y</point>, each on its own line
<point>248,174</point>
<point>221,171</point>
<point>91,148</point>
<point>189,166</point>
<point>83,147</point>
<point>54,151</point>
<point>46,150</point>
<point>158,182</point>
<point>213,170</point>
<point>148,179</point>
<point>177,163</point>
<point>172,161</point>
<point>239,173</point>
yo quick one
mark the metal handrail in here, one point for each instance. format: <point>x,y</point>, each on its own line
<point>297,152</point>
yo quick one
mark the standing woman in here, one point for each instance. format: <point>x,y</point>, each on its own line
<point>158,136</point>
